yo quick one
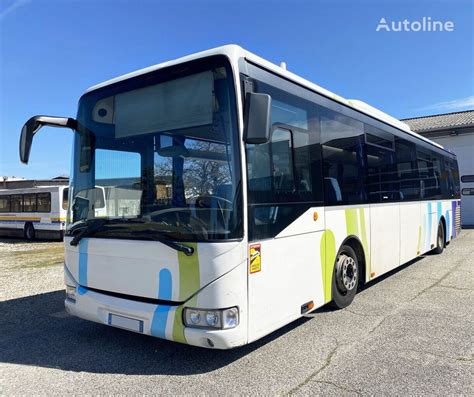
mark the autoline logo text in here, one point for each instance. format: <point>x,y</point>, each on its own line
<point>426,24</point>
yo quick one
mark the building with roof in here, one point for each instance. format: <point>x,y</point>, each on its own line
<point>455,131</point>
<point>21,183</point>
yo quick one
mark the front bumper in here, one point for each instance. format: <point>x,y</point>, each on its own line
<point>162,321</point>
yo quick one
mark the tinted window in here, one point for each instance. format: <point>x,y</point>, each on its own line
<point>16,203</point>
<point>284,175</point>
<point>450,186</point>
<point>468,192</point>
<point>382,178</point>
<point>29,202</point>
<point>429,168</point>
<point>4,203</point>
<point>467,178</point>
<point>297,115</point>
<point>376,136</point>
<point>407,170</point>
<point>65,198</point>
<point>344,159</point>
<point>457,184</point>
<point>44,202</point>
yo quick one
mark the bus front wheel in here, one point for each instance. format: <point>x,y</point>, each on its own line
<point>345,277</point>
<point>440,239</point>
<point>29,232</point>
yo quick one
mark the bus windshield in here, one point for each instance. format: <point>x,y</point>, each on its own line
<point>158,156</point>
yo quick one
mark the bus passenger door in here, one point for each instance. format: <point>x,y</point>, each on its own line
<point>384,195</point>
<point>285,278</point>
<point>285,230</point>
<point>385,241</point>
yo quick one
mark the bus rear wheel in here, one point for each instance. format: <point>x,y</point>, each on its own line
<point>29,232</point>
<point>345,278</point>
<point>440,240</point>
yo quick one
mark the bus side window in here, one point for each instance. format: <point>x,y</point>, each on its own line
<point>16,203</point>
<point>29,202</point>
<point>429,168</point>
<point>270,166</point>
<point>282,161</point>
<point>284,175</point>
<point>407,170</point>
<point>4,203</point>
<point>65,198</point>
<point>44,202</point>
<point>344,158</point>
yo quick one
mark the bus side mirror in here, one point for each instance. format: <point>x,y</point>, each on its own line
<point>33,125</point>
<point>257,118</point>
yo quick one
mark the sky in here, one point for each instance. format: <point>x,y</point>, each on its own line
<point>52,51</point>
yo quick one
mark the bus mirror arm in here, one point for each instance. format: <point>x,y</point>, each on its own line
<point>33,125</point>
<point>257,118</point>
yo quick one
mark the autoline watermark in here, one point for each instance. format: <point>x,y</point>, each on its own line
<point>426,24</point>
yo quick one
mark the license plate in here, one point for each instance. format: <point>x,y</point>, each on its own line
<point>125,322</point>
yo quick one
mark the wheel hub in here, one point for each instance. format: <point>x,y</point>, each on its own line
<point>346,273</point>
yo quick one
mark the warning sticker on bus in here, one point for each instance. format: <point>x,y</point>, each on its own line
<point>255,258</point>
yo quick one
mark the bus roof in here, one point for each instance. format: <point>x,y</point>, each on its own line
<point>235,52</point>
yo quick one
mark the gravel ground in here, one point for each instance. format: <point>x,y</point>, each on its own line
<point>409,333</point>
<point>30,268</point>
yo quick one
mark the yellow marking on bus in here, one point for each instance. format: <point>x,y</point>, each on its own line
<point>59,219</point>
<point>17,218</point>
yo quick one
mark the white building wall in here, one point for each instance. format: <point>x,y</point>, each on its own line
<point>463,146</point>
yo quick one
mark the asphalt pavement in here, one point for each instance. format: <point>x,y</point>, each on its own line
<point>410,332</point>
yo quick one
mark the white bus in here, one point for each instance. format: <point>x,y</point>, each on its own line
<point>253,197</point>
<point>37,212</point>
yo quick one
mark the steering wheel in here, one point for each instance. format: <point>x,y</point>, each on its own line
<point>205,201</point>
<point>164,215</point>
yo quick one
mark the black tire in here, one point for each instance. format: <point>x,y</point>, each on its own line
<point>345,278</point>
<point>440,240</point>
<point>29,232</point>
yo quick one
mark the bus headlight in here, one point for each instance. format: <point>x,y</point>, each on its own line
<point>71,293</point>
<point>211,319</point>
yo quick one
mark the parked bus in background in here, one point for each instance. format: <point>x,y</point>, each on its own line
<point>30,213</point>
<point>244,197</point>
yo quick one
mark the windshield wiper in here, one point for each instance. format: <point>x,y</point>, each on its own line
<point>89,227</point>
<point>188,251</point>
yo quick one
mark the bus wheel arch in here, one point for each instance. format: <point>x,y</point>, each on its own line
<point>349,268</point>
<point>29,231</point>
<point>358,248</point>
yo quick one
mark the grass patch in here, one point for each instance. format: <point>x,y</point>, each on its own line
<point>36,258</point>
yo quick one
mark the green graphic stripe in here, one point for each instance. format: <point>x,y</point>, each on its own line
<point>178,326</point>
<point>351,222</point>
<point>189,283</point>
<point>328,257</point>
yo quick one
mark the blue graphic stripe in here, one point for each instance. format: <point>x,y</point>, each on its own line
<point>83,259</point>
<point>448,234</point>
<point>82,290</point>
<point>12,221</point>
<point>453,225</point>
<point>160,317</point>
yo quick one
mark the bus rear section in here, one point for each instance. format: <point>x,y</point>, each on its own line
<point>34,213</point>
